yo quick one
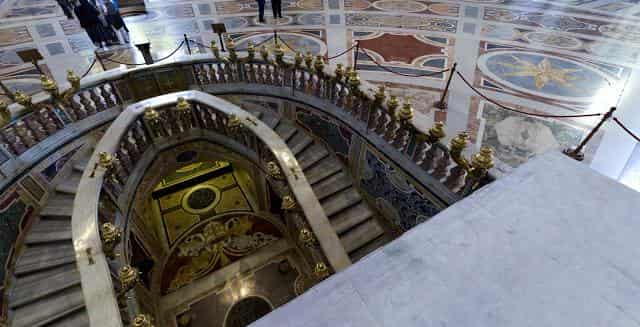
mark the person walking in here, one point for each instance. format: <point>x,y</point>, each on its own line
<point>89,19</point>
<point>276,6</point>
<point>66,7</point>
<point>115,20</point>
<point>261,10</point>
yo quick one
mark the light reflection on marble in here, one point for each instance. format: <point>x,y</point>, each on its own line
<point>556,57</point>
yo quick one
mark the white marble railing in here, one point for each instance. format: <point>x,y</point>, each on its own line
<point>198,111</point>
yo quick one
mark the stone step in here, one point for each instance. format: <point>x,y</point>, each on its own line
<point>299,142</point>
<point>45,231</point>
<point>70,184</point>
<point>59,205</point>
<point>361,235</point>
<point>26,280</point>
<point>329,167</point>
<point>286,131</point>
<point>37,290</point>
<point>79,318</point>
<point>334,184</point>
<point>81,163</point>
<point>369,247</point>
<point>41,257</point>
<point>340,201</point>
<point>347,219</point>
<point>312,155</point>
<point>49,309</point>
<point>271,120</point>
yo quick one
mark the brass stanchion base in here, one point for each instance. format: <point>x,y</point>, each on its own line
<point>579,156</point>
<point>440,105</point>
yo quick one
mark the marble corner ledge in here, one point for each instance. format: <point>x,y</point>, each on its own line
<point>552,244</point>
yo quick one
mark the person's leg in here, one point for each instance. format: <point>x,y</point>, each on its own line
<point>261,10</point>
<point>274,8</point>
<point>279,8</point>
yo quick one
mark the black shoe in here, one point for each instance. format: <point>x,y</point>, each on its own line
<point>261,20</point>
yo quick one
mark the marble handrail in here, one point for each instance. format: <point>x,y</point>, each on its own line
<point>97,286</point>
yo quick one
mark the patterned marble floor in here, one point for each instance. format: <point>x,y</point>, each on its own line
<point>559,57</point>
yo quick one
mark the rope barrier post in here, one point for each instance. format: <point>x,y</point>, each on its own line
<point>355,57</point>
<point>145,49</point>
<point>95,53</point>
<point>187,42</point>
<point>442,104</point>
<point>577,153</point>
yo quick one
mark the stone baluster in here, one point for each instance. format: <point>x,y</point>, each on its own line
<point>108,95</point>
<point>440,171</point>
<point>37,130</point>
<point>318,67</point>
<point>131,147</point>
<point>426,158</point>
<point>86,102</point>
<point>97,99</point>
<point>335,81</point>
<point>78,108</point>
<point>13,140</point>
<point>50,124</point>
<point>124,158</point>
<point>374,108</point>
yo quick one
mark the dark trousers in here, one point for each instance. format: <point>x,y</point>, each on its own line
<point>66,7</point>
<point>276,5</point>
<point>261,9</point>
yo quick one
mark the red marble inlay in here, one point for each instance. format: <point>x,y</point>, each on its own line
<point>402,48</point>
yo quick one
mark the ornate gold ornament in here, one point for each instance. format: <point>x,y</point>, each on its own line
<point>233,122</point>
<point>73,79</point>
<point>481,162</point>
<point>380,95</point>
<point>297,60</point>
<point>339,72</point>
<point>354,81</point>
<point>436,133</point>
<point>111,236</point>
<point>308,60</point>
<point>321,271</point>
<point>274,170</point>
<point>105,160</point>
<point>392,105</point>
<point>151,115</point>
<point>288,202</point>
<point>23,99</point>
<point>5,114</point>
<point>143,320</point>
<point>231,46</point>
<point>128,277</point>
<point>183,105</point>
<point>216,241</point>
<point>307,238</point>
<point>406,113</point>
<point>264,53</point>
<point>318,65</point>
<point>278,52</point>
<point>49,85</point>
<point>251,51</point>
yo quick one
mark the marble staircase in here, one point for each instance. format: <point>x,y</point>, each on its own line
<point>46,287</point>
<point>355,223</point>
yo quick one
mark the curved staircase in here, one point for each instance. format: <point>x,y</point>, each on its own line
<point>358,227</point>
<point>46,290</point>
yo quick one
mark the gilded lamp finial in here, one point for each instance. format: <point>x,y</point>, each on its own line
<point>73,79</point>
<point>436,133</point>
<point>288,203</point>
<point>406,113</point>
<point>339,72</point>
<point>354,80</point>
<point>150,114</point>
<point>128,276</point>
<point>380,94</point>
<point>278,52</point>
<point>321,271</point>
<point>274,170</point>
<point>319,64</point>
<point>23,98</point>
<point>392,105</point>
<point>111,236</point>
<point>483,160</point>
<point>297,60</point>
<point>306,237</point>
<point>264,53</point>
<point>251,50</point>
<point>183,105</point>
<point>308,60</point>
<point>49,85</point>
<point>105,160</point>
<point>5,114</point>
<point>143,320</point>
